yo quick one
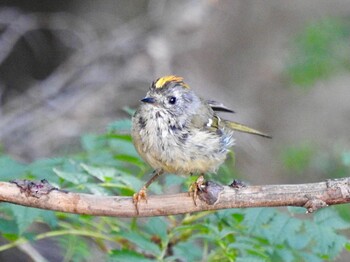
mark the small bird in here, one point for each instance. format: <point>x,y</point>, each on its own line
<point>175,131</point>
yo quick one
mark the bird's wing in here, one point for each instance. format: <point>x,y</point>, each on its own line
<point>217,106</point>
<point>206,119</point>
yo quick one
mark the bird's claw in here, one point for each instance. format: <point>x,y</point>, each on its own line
<point>195,188</point>
<point>137,197</point>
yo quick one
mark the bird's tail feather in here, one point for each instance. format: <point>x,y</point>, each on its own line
<point>245,129</point>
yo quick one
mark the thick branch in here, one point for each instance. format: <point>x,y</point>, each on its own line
<point>311,196</point>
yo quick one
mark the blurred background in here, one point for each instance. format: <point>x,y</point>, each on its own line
<point>69,68</point>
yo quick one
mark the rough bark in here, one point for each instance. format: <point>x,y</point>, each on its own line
<point>211,197</point>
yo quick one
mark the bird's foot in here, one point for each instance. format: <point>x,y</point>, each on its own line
<point>196,187</point>
<point>137,197</point>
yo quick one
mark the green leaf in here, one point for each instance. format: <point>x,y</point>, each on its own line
<point>173,180</point>
<point>10,169</point>
<point>92,142</point>
<point>120,125</point>
<point>75,178</point>
<point>276,231</point>
<point>188,251</point>
<point>128,180</point>
<point>285,255</point>
<point>347,246</point>
<point>195,226</point>
<point>251,258</point>
<point>123,147</point>
<point>8,226</point>
<point>310,257</point>
<point>328,217</point>
<point>255,218</point>
<point>42,168</point>
<point>96,189</point>
<point>157,226</point>
<point>131,160</point>
<point>123,137</point>
<point>320,51</point>
<point>49,217</point>
<point>127,255</point>
<point>296,210</point>
<point>295,237</point>
<point>24,216</point>
<point>102,173</point>
<point>129,110</point>
<point>142,242</point>
<point>74,248</point>
<point>328,242</point>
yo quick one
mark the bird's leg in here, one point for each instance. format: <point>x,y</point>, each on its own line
<point>195,187</point>
<point>142,194</point>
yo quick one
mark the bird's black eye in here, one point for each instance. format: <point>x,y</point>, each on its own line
<point>172,100</point>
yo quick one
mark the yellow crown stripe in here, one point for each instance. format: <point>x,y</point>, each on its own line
<point>160,83</point>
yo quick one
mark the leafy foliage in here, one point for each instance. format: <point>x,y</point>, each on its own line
<point>109,165</point>
<point>320,50</point>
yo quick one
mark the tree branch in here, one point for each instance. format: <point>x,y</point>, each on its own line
<point>211,197</point>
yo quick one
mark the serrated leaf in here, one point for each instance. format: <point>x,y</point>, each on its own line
<point>255,218</point>
<point>327,241</point>
<point>245,245</point>
<point>280,228</point>
<point>298,240</point>
<point>330,218</point>
<point>102,173</point>
<point>75,178</point>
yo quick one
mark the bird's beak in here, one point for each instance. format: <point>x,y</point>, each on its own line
<point>149,100</point>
